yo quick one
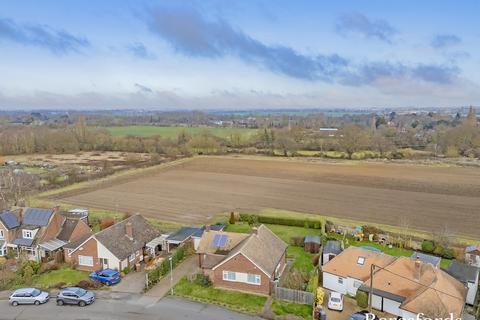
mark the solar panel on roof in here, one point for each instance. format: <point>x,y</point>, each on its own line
<point>220,240</point>
<point>37,217</point>
<point>9,219</point>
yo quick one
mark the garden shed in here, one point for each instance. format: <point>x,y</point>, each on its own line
<point>312,244</point>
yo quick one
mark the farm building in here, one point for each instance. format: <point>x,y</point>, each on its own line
<point>312,244</point>
<point>331,249</point>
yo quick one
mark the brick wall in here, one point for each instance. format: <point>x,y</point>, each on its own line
<point>81,229</point>
<point>53,227</point>
<point>240,264</point>
<point>89,248</point>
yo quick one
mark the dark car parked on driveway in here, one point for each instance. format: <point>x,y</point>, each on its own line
<point>363,315</point>
<point>106,276</point>
<point>76,296</point>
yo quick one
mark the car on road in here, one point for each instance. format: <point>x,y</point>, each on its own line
<point>106,276</point>
<point>28,296</point>
<point>363,315</point>
<point>335,301</point>
<point>75,295</point>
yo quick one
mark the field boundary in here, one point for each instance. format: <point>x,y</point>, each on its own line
<point>117,179</point>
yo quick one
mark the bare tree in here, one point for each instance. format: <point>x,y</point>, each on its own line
<point>15,186</point>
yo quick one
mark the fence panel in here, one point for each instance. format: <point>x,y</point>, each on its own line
<point>297,296</point>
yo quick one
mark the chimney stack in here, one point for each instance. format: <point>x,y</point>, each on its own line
<point>129,230</point>
<point>418,269</point>
<point>207,227</point>
<point>255,230</point>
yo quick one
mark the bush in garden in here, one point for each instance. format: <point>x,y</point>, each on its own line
<point>362,299</point>
<point>127,270</point>
<point>27,274</point>
<point>106,222</point>
<point>297,241</point>
<point>232,218</point>
<point>438,251</point>
<point>203,280</point>
<point>315,259</point>
<point>428,246</point>
<point>448,253</point>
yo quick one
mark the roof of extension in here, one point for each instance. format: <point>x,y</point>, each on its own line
<point>332,246</point>
<point>463,272</point>
<point>67,229</point>
<point>426,258</point>
<point>9,219</point>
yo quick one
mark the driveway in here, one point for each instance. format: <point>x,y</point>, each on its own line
<point>186,268</point>
<point>133,282</point>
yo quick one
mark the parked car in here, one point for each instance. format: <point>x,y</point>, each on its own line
<point>335,301</point>
<point>75,295</point>
<point>363,315</point>
<point>28,296</point>
<point>106,276</point>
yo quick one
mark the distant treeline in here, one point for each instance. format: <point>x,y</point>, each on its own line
<point>378,136</point>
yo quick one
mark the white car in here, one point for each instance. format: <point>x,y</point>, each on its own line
<point>28,296</point>
<point>335,301</point>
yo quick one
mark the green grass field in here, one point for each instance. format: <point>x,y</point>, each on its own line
<point>65,275</point>
<point>172,132</point>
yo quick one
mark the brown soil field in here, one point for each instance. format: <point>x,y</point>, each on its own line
<point>427,197</point>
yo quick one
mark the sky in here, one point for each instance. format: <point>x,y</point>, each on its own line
<point>238,54</point>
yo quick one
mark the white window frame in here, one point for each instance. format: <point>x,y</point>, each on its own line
<point>27,234</point>
<point>131,257</point>
<point>340,280</point>
<point>81,261</point>
<point>257,279</point>
<point>226,275</point>
<point>361,261</point>
<point>2,234</point>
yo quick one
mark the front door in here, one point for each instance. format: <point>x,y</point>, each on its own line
<point>104,262</point>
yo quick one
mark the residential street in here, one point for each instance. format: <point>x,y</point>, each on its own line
<point>125,307</point>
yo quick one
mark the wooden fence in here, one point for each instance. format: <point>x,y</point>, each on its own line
<point>297,296</point>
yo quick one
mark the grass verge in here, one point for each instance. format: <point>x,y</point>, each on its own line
<point>281,308</point>
<point>66,275</point>
<point>238,301</point>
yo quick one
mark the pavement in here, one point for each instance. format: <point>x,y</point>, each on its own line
<point>125,306</point>
<point>186,268</point>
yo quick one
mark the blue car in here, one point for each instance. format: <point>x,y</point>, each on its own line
<point>106,276</point>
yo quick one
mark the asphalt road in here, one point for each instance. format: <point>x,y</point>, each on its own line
<point>124,307</point>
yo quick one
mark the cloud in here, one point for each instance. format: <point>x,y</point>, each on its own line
<point>43,36</point>
<point>190,34</point>
<point>357,23</point>
<point>442,41</point>
<point>139,50</point>
<point>143,88</point>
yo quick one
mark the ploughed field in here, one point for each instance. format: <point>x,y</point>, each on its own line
<point>428,197</point>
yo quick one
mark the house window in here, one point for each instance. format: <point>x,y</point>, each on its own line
<point>104,261</point>
<point>229,276</point>
<point>361,261</point>
<point>85,261</point>
<point>357,284</point>
<point>131,257</point>
<point>253,278</point>
<point>2,235</point>
<point>340,280</point>
<point>27,234</point>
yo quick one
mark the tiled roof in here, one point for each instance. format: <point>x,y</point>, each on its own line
<point>463,272</point>
<point>67,229</point>
<point>426,258</point>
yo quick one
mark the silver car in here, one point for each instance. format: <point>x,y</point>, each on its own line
<point>28,296</point>
<point>75,295</point>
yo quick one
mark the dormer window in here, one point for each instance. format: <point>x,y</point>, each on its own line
<point>361,261</point>
<point>27,234</point>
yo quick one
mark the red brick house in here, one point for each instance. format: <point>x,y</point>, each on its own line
<point>116,247</point>
<point>244,262</point>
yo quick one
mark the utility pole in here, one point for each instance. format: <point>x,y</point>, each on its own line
<point>370,296</point>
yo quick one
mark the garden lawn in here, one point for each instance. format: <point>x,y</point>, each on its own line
<point>238,301</point>
<point>65,275</point>
<point>302,261</point>
<point>281,308</point>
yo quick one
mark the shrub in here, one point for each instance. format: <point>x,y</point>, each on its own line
<point>45,267</point>
<point>448,253</point>
<point>313,283</point>
<point>232,218</point>
<point>89,284</point>
<point>106,222</point>
<point>32,267</point>
<point>27,274</point>
<point>297,241</point>
<point>362,299</point>
<point>438,251</point>
<point>164,268</point>
<point>428,246</point>
<point>127,270</point>
<point>315,260</point>
<point>203,280</point>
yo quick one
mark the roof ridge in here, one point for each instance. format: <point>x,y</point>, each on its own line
<point>117,223</point>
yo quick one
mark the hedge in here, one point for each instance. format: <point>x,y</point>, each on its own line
<point>163,269</point>
<point>362,299</point>
<point>304,223</point>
